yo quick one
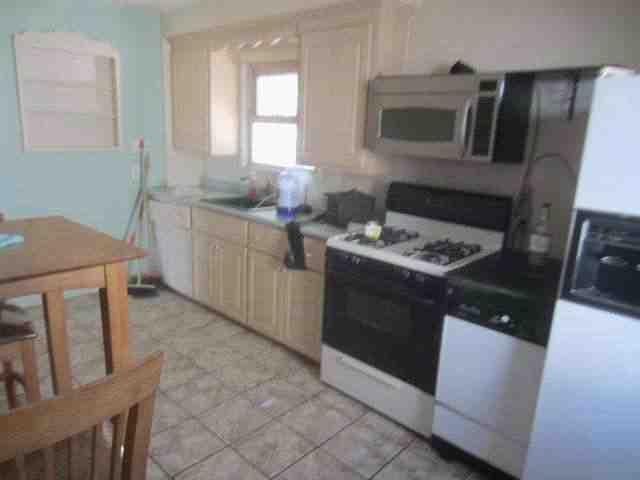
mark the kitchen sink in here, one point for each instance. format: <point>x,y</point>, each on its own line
<point>241,203</point>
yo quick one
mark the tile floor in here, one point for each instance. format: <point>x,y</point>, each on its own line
<point>234,405</point>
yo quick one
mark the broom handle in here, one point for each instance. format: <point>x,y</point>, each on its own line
<point>133,216</point>
<point>142,211</point>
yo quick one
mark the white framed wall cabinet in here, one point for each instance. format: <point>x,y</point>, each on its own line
<point>68,92</point>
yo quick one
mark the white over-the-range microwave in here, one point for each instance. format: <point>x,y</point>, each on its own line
<point>479,118</point>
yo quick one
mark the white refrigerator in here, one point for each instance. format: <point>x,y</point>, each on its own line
<point>587,421</point>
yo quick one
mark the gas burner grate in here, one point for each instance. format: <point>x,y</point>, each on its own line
<point>389,236</point>
<point>443,252</point>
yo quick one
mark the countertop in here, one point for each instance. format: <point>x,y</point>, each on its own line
<point>193,196</point>
<point>510,273</point>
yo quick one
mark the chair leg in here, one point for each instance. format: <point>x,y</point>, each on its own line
<point>9,377</point>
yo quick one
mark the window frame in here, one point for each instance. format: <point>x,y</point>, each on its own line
<point>270,68</point>
<point>76,45</point>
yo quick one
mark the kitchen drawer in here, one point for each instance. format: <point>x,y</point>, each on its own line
<point>268,240</point>
<point>219,225</point>
<point>167,214</point>
<point>398,400</point>
<point>315,250</point>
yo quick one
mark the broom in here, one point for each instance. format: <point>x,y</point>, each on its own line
<point>138,220</point>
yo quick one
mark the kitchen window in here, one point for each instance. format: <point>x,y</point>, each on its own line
<point>273,116</point>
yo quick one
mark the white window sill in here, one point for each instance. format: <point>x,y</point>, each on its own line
<point>265,167</point>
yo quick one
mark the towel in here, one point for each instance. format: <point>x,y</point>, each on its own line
<point>7,239</point>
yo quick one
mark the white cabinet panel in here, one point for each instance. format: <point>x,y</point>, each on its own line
<point>587,423</point>
<point>490,377</point>
<point>176,254</point>
<point>462,432</point>
<point>480,441</point>
<point>608,176</point>
<point>398,400</point>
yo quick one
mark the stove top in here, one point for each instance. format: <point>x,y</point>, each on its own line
<point>443,252</point>
<point>432,230</point>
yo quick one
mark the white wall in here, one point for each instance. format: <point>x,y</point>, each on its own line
<point>490,35</point>
<point>506,34</point>
<point>212,13</point>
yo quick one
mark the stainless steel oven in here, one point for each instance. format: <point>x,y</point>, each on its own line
<point>386,316</point>
<point>480,118</point>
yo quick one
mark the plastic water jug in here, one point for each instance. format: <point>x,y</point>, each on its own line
<point>288,195</point>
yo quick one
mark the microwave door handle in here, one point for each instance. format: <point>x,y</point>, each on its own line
<point>466,124</point>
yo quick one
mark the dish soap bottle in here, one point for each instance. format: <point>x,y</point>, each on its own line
<point>539,243</point>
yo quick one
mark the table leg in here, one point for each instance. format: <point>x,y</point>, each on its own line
<point>57,339</point>
<point>114,306</point>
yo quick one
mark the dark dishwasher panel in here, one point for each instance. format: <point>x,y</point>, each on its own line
<point>505,293</point>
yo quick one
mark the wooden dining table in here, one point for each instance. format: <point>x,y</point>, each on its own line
<point>59,255</point>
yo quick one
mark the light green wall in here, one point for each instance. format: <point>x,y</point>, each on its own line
<point>93,188</point>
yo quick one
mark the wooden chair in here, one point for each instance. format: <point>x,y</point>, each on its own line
<point>38,426</point>
<point>18,342</point>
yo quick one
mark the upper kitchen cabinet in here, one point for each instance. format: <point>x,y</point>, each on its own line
<point>224,103</point>
<point>336,66</point>
<point>396,45</point>
<point>205,91</point>
<point>190,95</point>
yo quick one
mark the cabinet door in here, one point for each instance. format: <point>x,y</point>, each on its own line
<point>174,250</point>
<point>190,92</point>
<point>204,258</point>
<point>264,292</point>
<point>229,279</point>
<point>335,71</point>
<point>301,317</point>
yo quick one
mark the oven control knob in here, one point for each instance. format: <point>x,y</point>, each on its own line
<point>406,274</point>
<point>420,278</point>
<point>503,320</point>
<point>356,260</point>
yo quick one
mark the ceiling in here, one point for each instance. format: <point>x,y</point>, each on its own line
<point>165,6</point>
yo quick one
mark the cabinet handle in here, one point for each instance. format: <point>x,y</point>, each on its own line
<point>387,382</point>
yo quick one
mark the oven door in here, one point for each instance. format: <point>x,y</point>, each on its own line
<point>423,125</point>
<point>384,326</point>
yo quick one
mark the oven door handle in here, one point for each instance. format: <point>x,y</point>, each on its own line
<point>369,372</point>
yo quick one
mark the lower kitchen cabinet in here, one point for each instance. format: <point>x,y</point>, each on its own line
<point>263,276</point>
<point>219,272</point>
<point>285,305</point>
<point>230,279</point>
<point>301,314</point>
<point>203,255</point>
